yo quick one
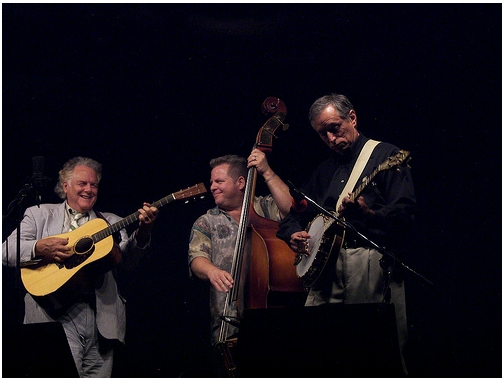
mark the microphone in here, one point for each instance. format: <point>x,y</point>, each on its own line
<point>38,166</point>
<point>38,179</point>
<point>299,203</point>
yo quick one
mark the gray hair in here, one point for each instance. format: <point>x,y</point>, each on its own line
<point>65,174</point>
<point>237,165</point>
<point>338,101</point>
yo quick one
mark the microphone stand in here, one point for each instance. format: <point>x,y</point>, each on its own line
<point>388,257</point>
<point>32,185</point>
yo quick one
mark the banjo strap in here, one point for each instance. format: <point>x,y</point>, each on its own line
<point>357,169</point>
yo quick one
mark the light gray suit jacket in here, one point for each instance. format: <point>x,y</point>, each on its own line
<point>47,220</point>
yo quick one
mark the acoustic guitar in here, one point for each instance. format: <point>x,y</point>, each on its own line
<point>93,250</point>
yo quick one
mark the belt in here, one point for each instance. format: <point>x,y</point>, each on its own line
<point>354,243</point>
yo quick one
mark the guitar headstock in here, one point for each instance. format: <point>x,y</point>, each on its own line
<point>193,191</point>
<point>396,160</point>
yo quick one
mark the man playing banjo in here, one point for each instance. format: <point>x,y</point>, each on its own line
<point>382,211</point>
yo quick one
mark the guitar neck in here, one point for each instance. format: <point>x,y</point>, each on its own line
<point>126,221</point>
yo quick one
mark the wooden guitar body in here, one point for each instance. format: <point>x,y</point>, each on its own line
<point>46,279</point>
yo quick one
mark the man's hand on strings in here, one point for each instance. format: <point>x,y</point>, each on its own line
<point>299,242</point>
<point>257,159</point>
<point>356,209</point>
<point>53,249</point>
<point>221,280</point>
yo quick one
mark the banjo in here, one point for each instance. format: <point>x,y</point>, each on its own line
<point>327,234</point>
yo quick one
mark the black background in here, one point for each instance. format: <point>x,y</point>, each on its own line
<point>154,91</point>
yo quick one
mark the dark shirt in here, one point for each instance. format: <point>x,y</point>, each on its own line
<point>390,194</point>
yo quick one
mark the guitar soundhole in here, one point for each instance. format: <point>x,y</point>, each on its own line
<point>83,248</point>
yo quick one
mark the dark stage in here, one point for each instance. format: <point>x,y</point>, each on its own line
<point>154,91</point>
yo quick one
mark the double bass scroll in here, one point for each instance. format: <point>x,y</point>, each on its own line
<point>264,140</point>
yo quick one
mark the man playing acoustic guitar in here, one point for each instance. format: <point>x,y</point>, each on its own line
<point>88,305</point>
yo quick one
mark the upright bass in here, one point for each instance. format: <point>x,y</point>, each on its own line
<point>262,268</point>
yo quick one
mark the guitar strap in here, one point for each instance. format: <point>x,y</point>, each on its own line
<point>357,169</point>
<point>116,236</point>
<point>102,217</point>
<point>117,239</point>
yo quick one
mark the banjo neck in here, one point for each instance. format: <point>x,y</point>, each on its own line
<point>392,161</point>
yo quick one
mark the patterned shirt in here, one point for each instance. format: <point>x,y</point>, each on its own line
<point>213,236</point>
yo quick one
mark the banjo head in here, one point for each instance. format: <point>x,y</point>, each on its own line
<point>323,238</point>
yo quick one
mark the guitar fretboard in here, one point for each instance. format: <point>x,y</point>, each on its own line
<point>189,192</point>
<point>126,221</point>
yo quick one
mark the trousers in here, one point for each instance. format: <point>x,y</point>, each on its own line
<point>93,354</point>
